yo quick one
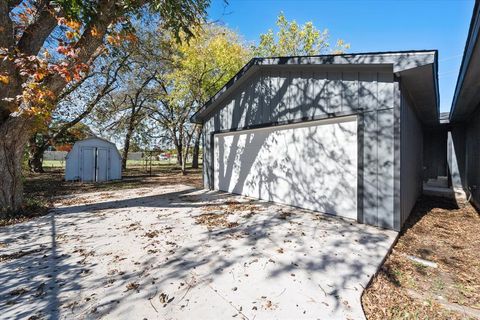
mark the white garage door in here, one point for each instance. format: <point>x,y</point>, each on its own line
<point>310,165</point>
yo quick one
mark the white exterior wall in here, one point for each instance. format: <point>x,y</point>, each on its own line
<point>310,165</point>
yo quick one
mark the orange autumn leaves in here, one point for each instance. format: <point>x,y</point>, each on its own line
<point>60,58</point>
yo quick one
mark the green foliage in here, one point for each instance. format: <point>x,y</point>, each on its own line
<point>204,63</point>
<point>291,39</point>
<point>78,132</point>
<point>177,15</point>
<point>79,10</point>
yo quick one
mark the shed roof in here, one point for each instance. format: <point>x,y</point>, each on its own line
<point>417,68</point>
<point>96,138</point>
<point>466,98</point>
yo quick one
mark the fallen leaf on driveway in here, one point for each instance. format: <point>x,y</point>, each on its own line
<point>132,286</point>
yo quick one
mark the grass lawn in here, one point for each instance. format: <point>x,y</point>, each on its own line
<point>49,164</point>
<point>443,232</point>
<point>51,183</point>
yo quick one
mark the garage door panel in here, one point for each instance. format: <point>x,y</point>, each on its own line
<point>310,166</point>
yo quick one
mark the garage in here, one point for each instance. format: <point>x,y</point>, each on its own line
<point>310,165</point>
<point>336,134</point>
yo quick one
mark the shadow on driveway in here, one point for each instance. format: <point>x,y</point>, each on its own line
<point>145,253</point>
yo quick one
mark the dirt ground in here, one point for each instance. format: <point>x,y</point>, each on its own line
<point>41,189</point>
<point>442,232</point>
<point>51,183</point>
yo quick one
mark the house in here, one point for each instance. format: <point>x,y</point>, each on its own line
<point>464,117</point>
<point>93,160</point>
<point>338,134</point>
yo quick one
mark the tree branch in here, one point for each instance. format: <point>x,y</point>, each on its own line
<point>6,26</point>
<point>89,42</point>
<point>106,89</point>
<point>13,3</point>
<point>74,86</point>
<point>38,31</point>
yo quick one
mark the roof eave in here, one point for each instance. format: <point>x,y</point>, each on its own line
<point>401,61</point>
<point>470,45</point>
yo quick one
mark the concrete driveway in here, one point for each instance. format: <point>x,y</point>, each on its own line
<point>175,252</point>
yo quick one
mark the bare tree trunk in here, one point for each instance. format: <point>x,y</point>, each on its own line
<point>196,147</point>
<point>14,133</point>
<point>185,158</point>
<point>35,155</point>
<point>128,137</point>
<point>126,148</point>
<point>188,140</point>
<point>179,148</point>
<point>177,141</point>
<point>35,161</point>
<point>184,162</point>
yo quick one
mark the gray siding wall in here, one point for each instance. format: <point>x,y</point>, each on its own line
<point>435,152</point>
<point>464,144</point>
<point>456,156</point>
<point>280,95</point>
<point>472,158</point>
<point>411,158</point>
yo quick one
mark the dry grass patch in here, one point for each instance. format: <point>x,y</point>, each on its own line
<point>217,215</point>
<point>215,220</point>
<point>438,231</point>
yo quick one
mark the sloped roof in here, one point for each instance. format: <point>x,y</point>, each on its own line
<point>466,98</point>
<point>96,138</point>
<point>419,69</point>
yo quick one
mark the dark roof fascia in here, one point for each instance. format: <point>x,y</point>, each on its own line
<point>246,68</point>
<point>437,91</point>
<point>472,38</point>
<point>304,60</point>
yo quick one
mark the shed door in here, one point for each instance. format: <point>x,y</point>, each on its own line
<point>87,164</point>
<point>102,164</point>
<point>311,165</point>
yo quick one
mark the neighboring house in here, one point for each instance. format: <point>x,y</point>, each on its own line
<point>464,142</point>
<point>93,160</point>
<point>338,134</point>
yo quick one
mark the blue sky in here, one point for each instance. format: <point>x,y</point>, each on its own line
<point>367,26</point>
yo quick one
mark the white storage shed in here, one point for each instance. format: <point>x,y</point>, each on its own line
<point>93,160</point>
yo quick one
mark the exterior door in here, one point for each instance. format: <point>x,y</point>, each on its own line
<point>102,164</point>
<point>312,165</point>
<point>94,164</point>
<point>87,164</point>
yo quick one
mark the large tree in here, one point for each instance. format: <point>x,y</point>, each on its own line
<point>46,44</point>
<point>125,112</point>
<point>199,68</point>
<point>292,39</point>
<point>76,102</point>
